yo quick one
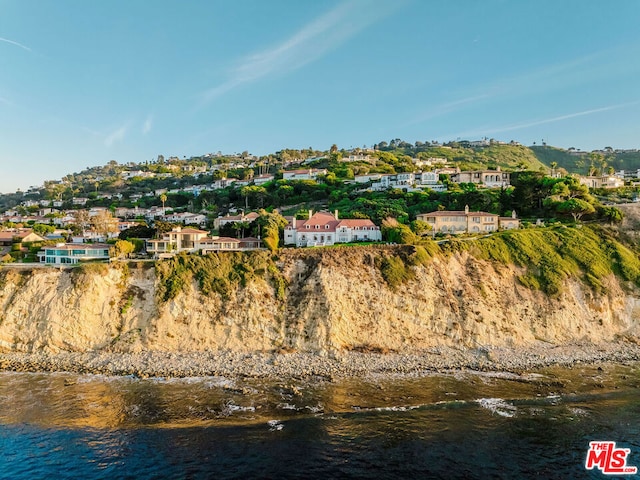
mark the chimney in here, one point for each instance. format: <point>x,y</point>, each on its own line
<point>335,214</point>
<point>466,209</point>
<point>310,213</point>
<point>293,222</point>
<point>513,214</point>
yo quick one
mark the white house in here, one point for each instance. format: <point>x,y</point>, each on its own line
<point>262,179</point>
<point>220,221</point>
<point>306,174</point>
<point>69,254</point>
<point>186,218</point>
<point>324,228</point>
<point>177,240</point>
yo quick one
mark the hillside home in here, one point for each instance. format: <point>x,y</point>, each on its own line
<point>186,218</point>
<point>367,178</point>
<point>220,221</point>
<point>306,174</point>
<point>324,228</point>
<point>19,236</point>
<point>467,222</point>
<point>357,158</point>
<point>177,240</point>
<point>409,181</point>
<point>262,179</point>
<point>225,244</point>
<point>223,183</point>
<point>70,254</point>
<point>603,181</point>
<point>488,178</point>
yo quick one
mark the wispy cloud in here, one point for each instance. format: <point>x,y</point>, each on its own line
<point>116,135</point>
<point>147,125</point>
<point>544,121</point>
<point>308,44</point>
<point>17,44</point>
<point>444,108</point>
<point>594,67</point>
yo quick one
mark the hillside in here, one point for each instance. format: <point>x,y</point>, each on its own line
<point>321,300</point>
<point>580,162</point>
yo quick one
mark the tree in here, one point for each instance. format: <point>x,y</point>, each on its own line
<point>163,199</point>
<point>397,232</point>
<point>43,229</point>
<point>553,166</point>
<point>270,226</point>
<point>122,248</point>
<point>612,214</point>
<point>138,231</point>
<point>576,207</point>
<point>419,227</point>
<point>104,223</point>
<point>81,220</point>
<point>239,228</point>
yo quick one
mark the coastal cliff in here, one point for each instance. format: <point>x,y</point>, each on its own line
<point>320,300</point>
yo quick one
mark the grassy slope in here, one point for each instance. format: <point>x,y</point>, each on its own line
<point>546,155</point>
<point>555,253</point>
<point>507,157</point>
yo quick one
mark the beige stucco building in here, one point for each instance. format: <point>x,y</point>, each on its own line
<point>467,222</point>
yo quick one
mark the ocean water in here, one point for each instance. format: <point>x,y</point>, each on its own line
<point>459,425</point>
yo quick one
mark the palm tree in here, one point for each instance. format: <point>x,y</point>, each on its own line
<point>553,166</point>
<point>163,198</point>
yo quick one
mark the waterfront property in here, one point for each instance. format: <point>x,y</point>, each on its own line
<point>324,228</point>
<point>219,244</point>
<point>177,240</point>
<point>73,253</point>
<point>193,240</point>
<point>467,222</point>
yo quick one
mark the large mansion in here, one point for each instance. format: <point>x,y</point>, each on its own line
<point>194,240</point>
<point>468,222</point>
<point>488,178</point>
<point>324,228</point>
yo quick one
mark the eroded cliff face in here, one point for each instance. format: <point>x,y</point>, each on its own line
<point>336,299</point>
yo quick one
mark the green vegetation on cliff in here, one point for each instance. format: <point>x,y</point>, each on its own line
<point>553,254</point>
<point>216,273</point>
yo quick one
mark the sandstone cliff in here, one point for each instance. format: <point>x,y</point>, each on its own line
<point>334,299</point>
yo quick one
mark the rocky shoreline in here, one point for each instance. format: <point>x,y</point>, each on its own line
<point>327,365</point>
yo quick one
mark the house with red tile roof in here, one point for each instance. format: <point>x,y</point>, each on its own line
<point>324,228</point>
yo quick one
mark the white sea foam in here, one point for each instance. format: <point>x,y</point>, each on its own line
<point>398,408</point>
<point>317,409</point>
<point>498,406</point>
<point>231,408</point>
<point>275,425</point>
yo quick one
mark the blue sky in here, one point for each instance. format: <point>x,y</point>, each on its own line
<point>85,82</point>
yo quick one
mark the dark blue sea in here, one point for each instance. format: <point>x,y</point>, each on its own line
<point>459,425</point>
